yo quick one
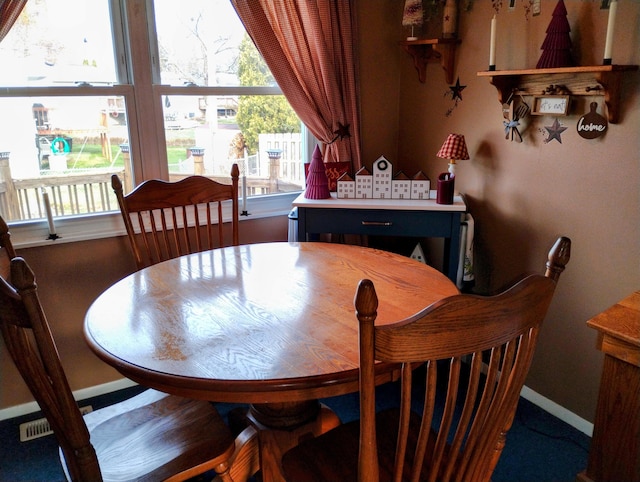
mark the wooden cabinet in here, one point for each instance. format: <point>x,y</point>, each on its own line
<point>615,447</point>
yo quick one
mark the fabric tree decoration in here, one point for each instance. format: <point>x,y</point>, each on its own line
<point>317,181</point>
<point>557,44</point>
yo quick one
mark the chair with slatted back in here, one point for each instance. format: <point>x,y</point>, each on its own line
<point>151,436</point>
<point>463,362</point>
<point>163,219</point>
<point>7,252</point>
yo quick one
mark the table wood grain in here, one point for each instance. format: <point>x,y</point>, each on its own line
<point>254,323</point>
<point>272,325</point>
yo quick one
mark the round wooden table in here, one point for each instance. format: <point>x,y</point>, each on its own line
<point>268,324</point>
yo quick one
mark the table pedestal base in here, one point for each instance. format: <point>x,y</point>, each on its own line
<point>270,442</point>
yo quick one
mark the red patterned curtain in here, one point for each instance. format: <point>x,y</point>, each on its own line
<point>9,12</point>
<point>309,47</point>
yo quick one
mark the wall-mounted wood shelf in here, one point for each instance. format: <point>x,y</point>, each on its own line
<point>424,51</point>
<point>604,80</point>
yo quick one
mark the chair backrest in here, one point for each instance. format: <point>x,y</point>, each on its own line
<point>28,339</point>
<point>163,219</point>
<point>467,408</point>
<point>7,252</point>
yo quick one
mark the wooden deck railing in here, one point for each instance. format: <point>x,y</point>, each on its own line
<point>77,192</point>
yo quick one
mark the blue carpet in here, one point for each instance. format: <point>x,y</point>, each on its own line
<point>539,448</point>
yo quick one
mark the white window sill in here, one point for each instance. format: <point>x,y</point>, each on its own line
<point>71,229</point>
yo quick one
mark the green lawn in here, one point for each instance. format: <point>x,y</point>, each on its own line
<point>91,157</point>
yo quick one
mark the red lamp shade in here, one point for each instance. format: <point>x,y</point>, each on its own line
<point>454,148</point>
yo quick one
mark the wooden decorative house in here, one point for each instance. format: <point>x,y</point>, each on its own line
<point>401,186</point>
<point>382,177</point>
<point>364,184</point>
<point>420,186</point>
<point>346,187</point>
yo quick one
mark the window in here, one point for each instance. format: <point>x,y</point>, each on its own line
<point>164,91</point>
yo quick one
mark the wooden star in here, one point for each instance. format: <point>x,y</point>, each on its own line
<point>554,131</point>
<point>456,90</point>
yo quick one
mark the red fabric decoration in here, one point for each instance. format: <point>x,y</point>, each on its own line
<point>317,182</point>
<point>557,44</point>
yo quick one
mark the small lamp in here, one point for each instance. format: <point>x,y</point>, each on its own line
<point>454,148</point>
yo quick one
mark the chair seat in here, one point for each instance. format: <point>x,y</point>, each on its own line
<point>334,455</point>
<point>153,436</point>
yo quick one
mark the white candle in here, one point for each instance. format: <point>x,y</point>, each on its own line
<point>244,193</point>
<point>492,45</point>
<point>47,209</point>
<point>608,46</point>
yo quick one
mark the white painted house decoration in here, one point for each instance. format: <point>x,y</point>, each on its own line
<point>382,177</point>
<point>364,184</point>
<point>382,184</point>
<point>346,187</point>
<point>420,186</point>
<point>401,186</point>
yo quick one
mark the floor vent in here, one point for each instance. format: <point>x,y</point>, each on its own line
<point>40,428</point>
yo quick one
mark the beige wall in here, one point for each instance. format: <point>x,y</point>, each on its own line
<point>522,196</point>
<point>70,276</point>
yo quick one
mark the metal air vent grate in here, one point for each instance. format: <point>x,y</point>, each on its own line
<point>40,428</point>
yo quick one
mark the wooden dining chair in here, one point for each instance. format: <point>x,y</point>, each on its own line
<point>163,219</point>
<point>151,436</point>
<point>7,252</point>
<point>474,353</point>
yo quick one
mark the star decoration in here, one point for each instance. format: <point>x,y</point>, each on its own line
<point>554,131</point>
<point>456,90</point>
<point>341,132</point>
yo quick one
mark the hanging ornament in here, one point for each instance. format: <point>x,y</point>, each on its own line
<point>592,124</point>
<point>554,131</point>
<point>455,92</point>
<point>511,125</point>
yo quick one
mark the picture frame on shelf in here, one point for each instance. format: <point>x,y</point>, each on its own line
<point>550,105</point>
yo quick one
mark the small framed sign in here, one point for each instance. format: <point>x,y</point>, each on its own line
<point>550,105</point>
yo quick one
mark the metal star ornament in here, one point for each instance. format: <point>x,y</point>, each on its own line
<point>554,131</point>
<point>456,90</point>
<point>341,132</point>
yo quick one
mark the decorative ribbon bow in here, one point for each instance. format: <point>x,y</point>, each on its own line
<point>512,126</point>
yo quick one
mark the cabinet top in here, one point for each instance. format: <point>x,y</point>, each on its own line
<point>619,328</point>
<point>386,204</point>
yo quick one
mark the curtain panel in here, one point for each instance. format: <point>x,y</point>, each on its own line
<point>9,13</point>
<point>309,47</point>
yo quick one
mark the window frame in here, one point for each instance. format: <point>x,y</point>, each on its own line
<point>138,74</point>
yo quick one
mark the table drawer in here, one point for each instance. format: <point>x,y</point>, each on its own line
<point>378,222</point>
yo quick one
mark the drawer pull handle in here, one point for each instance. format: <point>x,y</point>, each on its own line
<point>377,223</point>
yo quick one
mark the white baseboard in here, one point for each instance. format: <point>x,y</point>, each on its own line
<point>544,403</point>
<point>32,407</point>
<point>557,411</point>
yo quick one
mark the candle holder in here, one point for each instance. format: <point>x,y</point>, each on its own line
<point>611,23</point>
<point>243,176</point>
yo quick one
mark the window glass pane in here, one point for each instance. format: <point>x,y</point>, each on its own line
<point>58,42</point>
<point>199,43</point>
<point>203,42</point>
<point>241,132</point>
<point>66,146</point>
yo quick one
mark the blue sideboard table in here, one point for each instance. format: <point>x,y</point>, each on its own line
<point>385,217</point>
